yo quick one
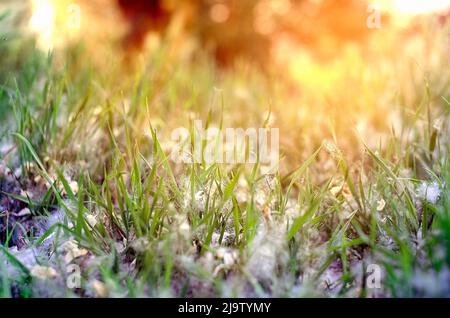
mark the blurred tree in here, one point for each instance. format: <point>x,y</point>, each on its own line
<point>234,28</point>
<point>143,16</point>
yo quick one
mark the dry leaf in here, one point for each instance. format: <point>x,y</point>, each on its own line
<point>380,205</point>
<point>43,272</point>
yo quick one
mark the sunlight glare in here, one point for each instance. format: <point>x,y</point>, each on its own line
<point>420,6</point>
<point>42,22</point>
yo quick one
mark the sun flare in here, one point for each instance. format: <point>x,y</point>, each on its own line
<point>420,6</point>
<point>42,22</point>
<point>54,22</point>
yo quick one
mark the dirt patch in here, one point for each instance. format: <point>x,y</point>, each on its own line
<point>17,221</point>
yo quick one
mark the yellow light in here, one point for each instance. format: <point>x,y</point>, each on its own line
<point>55,22</point>
<point>313,75</point>
<point>42,22</point>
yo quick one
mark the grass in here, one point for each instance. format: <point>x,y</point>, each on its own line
<point>87,150</point>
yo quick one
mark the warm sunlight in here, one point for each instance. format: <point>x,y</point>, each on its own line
<point>42,22</point>
<point>54,22</point>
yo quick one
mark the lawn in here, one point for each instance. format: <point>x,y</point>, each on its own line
<point>101,197</point>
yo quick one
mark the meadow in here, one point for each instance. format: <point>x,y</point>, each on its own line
<point>358,205</point>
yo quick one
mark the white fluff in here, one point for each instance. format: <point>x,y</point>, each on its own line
<point>429,191</point>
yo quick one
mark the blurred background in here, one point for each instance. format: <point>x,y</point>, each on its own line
<point>263,31</point>
<point>303,37</point>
